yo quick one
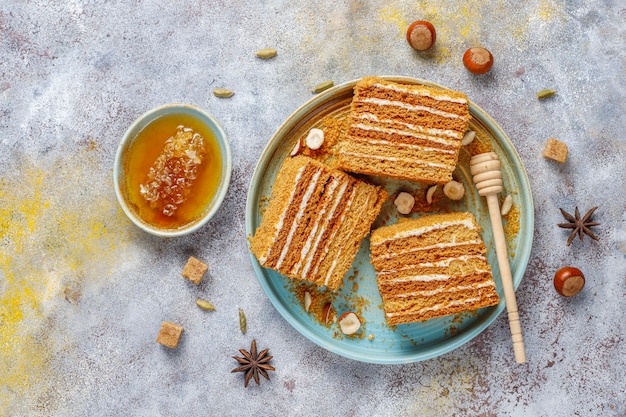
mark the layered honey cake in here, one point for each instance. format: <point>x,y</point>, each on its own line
<point>315,222</point>
<point>403,131</point>
<point>431,267</point>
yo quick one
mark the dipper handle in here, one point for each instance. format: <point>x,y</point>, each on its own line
<point>485,169</point>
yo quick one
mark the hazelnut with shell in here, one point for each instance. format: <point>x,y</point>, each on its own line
<point>569,281</point>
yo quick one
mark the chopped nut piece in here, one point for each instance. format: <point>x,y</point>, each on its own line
<point>429,194</point>
<point>307,301</point>
<point>297,148</point>
<point>169,335</point>
<point>349,323</point>
<point>315,139</point>
<point>327,313</point>
<point>507,205</point>
<point>194,270</point>
<point>555,150</point>
<point>404,202</point>
<point>454,190</point>
<point>468,138</point>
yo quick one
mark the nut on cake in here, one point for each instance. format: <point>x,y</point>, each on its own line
<point>431,267</point>
<point>315,222</point>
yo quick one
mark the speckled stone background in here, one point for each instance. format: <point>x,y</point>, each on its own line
<point>83,291</point>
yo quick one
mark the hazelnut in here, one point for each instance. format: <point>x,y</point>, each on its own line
<point>327,312</point>
<point>297,148</point>
<point>404,202</point>
<point>315,139</point>
<point>478,60</point>
<point>429,194</point>
<point>349,323</point>
<point>468,138</point>
<point>454,190</point>
<point>507,205</point>
<point>421,35</point>
<point>568,281</point>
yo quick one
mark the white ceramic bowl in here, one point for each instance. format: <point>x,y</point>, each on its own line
<point>121,167</point>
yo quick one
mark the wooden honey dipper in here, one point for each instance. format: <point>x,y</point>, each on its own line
<point>485,169</point>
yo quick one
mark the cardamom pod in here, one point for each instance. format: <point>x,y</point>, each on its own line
<point>266,53</point>
<point>205,305</point>
<point>242,321</point>
<point>222,92</point>
<point>545,94</point>
<point>322,86</point>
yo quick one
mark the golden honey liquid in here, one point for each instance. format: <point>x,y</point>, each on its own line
<point>147,147</point>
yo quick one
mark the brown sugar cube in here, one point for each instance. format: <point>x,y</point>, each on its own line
<point>555,150</point>
<point>194,270</point>
<point>169,334</point>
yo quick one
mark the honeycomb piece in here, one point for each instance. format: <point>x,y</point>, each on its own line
<point>172,175</point>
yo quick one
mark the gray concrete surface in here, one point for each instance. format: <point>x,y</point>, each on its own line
<point>83,291</point>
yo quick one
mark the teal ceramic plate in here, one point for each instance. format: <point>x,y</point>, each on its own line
<point>408,342</point>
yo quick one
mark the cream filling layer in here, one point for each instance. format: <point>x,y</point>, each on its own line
<point>440,264</point>
<point>427,132</point>
<point>428,293</point>
<point>397,144</point>
<point>429,277</point>
<point>389,158</point>
<point>294,225</point>
<point>410,107</point>
<point>468,223</point>
<point>436,246</point>
<point>436,307</point>
<point>421,92</point>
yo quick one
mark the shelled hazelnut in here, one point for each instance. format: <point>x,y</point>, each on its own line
<point>349,323</point>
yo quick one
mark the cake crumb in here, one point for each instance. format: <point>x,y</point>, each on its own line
<point>555,150</point>
<point>169,335</point>
<point>194,270</point>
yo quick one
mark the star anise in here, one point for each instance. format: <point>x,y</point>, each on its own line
<point>578,225</point>
<point>254,364</point>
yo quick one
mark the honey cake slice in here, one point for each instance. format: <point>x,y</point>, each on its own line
<point>403,131</point>
<point>431,267</point>
<point>315,221</point>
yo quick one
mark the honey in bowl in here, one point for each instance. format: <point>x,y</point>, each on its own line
<point>173,169</point>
